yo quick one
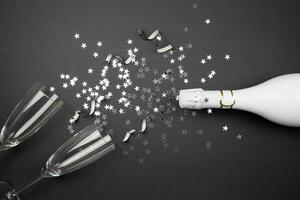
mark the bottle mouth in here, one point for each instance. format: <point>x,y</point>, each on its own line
<point>190,98</point>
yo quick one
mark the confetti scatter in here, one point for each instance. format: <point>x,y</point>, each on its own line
<point>103,98</point>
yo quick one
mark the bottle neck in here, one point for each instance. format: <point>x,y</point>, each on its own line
<point>223,99</point>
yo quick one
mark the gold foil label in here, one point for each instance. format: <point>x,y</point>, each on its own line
<point>227,99</point>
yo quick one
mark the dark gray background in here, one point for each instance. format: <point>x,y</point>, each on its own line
<point>262,37</point>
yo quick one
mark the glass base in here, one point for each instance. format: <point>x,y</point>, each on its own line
<point>7,192</point>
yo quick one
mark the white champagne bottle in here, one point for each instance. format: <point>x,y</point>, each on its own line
<point>277,99</point>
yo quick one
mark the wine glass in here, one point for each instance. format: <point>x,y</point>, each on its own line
<point>30,114</point>
<point>80,150</point>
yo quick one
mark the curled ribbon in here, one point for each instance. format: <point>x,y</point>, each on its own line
<point>161,44</point>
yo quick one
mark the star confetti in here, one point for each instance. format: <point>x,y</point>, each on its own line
<point>225,128</point>
<point>227,57</point>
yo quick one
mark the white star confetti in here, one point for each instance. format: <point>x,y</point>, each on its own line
<point>90,70</point>
<point>207,21</point>
<point>65,85</point>
<point>78,95</point>
<point>209,111</point>
<point>97,113</point>
<point>137,108</point>
<point>85,106</point>
<point>137,88</point>
<point>99,44</point>
<point>227,57</point>
<point>84,84</point>
<point>67,76</point>
<point>76,36</point>
<point>225,128</point>
<point>129,41</point>
<point>135,50</point>
<point>83,45</point>
<point>95,54</point>
<point>164,76</point>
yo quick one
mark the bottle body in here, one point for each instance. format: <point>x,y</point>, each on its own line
<point>277,99</point>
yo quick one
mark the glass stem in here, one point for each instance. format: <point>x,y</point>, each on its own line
<point>18,190</point>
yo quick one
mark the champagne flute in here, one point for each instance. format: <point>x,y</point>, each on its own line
<point>80,150</point>
<point>30,114</point>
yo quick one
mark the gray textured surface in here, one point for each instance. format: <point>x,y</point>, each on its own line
<point>261,36</point>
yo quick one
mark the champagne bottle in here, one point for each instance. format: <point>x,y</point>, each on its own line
<point>277,99</point>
